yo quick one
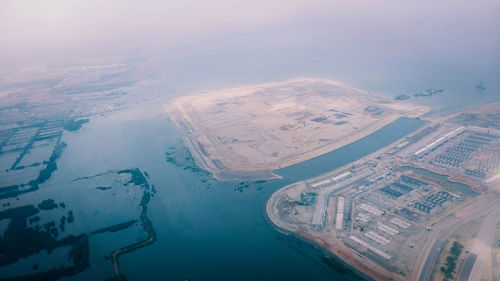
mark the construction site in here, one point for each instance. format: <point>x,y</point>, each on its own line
<point>393,215</point>
<point>250,131</point>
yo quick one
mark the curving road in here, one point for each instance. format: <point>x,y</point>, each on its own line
<point>482,245</point>
<point>464,273</point>
<point>432,248</point>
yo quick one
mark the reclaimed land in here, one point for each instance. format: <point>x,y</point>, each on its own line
<point>247,132</point>
<point>389,213</point>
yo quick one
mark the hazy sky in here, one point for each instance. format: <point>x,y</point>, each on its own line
<point>35,26</point>
<point>386,45</point>
<point>28,25</point>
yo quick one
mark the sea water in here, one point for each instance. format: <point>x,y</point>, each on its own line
<point>206,229</point>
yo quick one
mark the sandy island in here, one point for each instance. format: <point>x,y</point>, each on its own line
<point>247,132</point>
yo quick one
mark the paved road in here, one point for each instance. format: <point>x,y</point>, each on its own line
<point>494,263</point>
<point>482,245</point>
<point>441,233</point>
<point>321,205</point>
<point>433,256</point>
<point>464,273</point>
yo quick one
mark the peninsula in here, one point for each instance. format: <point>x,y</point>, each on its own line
<point>423,208</point>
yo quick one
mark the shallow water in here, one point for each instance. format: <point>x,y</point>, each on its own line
<point>206,229</point>
<point>211,230</point>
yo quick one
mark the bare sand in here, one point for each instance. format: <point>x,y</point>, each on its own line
<point>249,131</point>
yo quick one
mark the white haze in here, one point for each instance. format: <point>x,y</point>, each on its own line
<point>389,46</point>
<point>56,26</point>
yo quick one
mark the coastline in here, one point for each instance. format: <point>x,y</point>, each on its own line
<point>219,158</point>
<point>361,265</point>
<point>339,250</point>
<point>291,210</point>
<point>342,255</point>
<point>317,245</point>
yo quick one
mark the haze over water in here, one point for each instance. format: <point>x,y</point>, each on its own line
<point>210,230</point>
<point>388,47</point>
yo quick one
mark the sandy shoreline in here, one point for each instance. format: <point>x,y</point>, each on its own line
<point>346,255</point>
<point>361,265</point>
<point>248,132</point>
<point>388,236</point>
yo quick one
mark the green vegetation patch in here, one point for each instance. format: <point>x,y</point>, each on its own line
<point>46,172</point>
<point>307,198</point>
<point>116,227</point>
<point>136,178</point>
<point>79,254</point>
<point>73,125</point>
<point>48,204</point>
<point>20,241</point>
<point>451,261</point>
